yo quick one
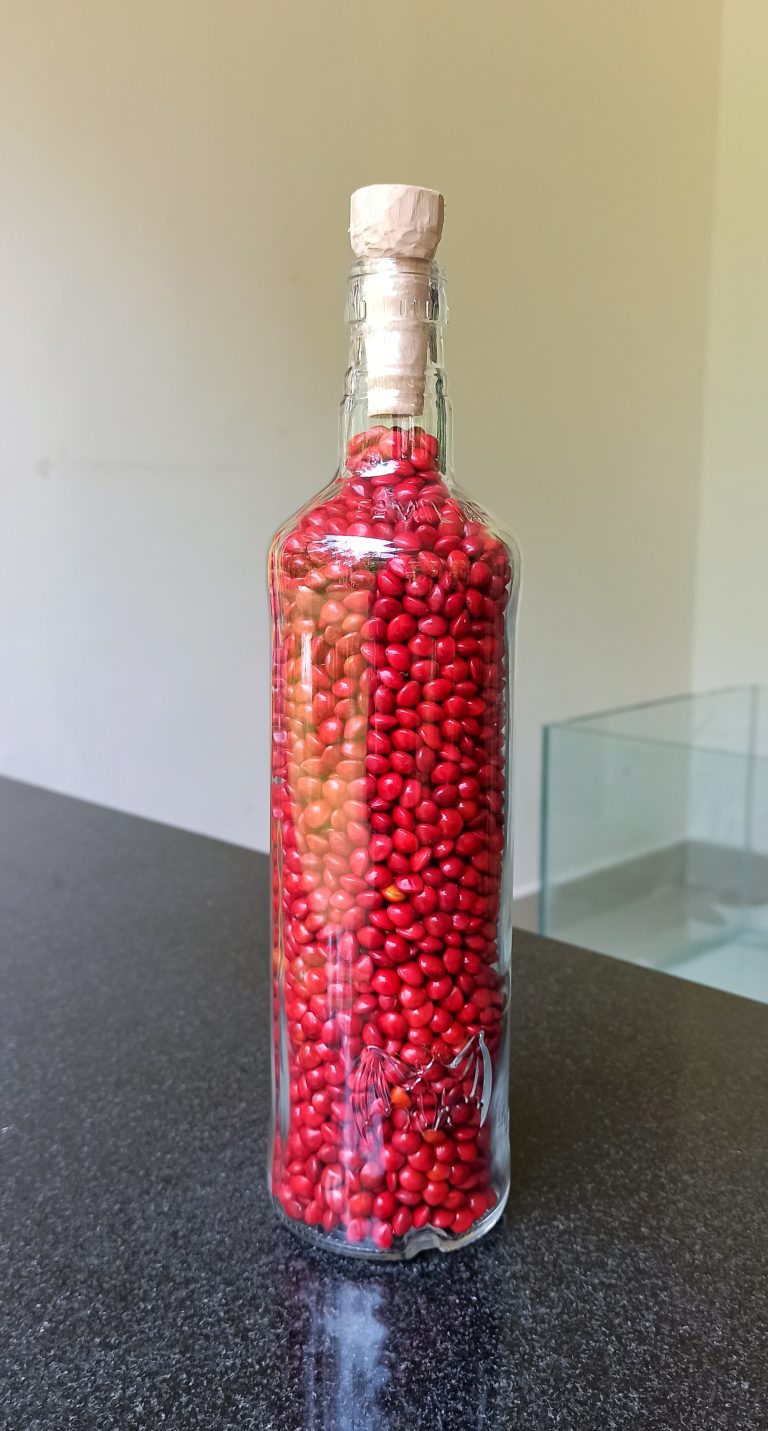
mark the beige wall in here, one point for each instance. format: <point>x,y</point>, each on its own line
<point>732,586</point>
<point>174,180</point>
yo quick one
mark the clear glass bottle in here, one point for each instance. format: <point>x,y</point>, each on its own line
<point>393,600</point>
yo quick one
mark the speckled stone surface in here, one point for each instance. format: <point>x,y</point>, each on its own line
<point>146,1282</point>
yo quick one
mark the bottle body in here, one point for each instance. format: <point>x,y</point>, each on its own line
<point>393,603</point>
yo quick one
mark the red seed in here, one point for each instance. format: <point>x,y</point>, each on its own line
<point>412,998</point>
<point>357,1230</point>
<point>408,1199</point>
<point>450,823</point>
<point>380,848</point>
<point>438,690</point>
<point>385,981</point>
<point>360,1204</point>
<point>411,974</point>
<point>401,628</point>
<point>406,1142</point>
<point>392,444</point>
<point>384,1206</point>
<point>398,657</point>
<point>390,786</point>
<point>433,625</point>
<point>422,1159</point>
<point>421,457</point>
<point>480,574</point>
<point>411,792</point>
<point>402,1222</point>
<point>411,1179</point>
<point>409,694</point>
<point>393,1025</point>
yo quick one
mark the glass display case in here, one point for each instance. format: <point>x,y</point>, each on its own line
<point>655,836</point>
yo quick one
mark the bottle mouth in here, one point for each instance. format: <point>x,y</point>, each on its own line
<point>413,290</point>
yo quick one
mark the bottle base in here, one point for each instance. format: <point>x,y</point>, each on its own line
<point>424,1239</point>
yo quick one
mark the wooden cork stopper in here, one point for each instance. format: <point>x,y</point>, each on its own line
<point>395,221</point>
<point>401,223</point>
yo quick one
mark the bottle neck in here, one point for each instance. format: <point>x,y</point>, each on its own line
<point>396,311</point>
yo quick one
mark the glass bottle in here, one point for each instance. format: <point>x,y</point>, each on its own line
<point>393,599</point>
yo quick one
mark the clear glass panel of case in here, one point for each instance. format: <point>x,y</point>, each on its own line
<point>655,836</point>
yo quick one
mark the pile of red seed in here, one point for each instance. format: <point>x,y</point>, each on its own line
<point>389,717</point>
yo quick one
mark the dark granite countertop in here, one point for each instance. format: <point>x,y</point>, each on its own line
<point>147,1283</point>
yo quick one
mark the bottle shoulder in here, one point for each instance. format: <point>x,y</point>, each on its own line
<point>361,517</point>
